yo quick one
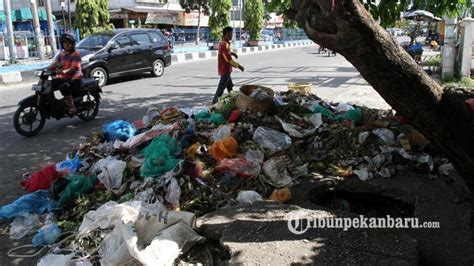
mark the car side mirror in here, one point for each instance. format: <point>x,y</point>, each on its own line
<point>113,46</point>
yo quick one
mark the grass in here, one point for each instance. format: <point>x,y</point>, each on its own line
<point>434,61</point>
<point>464,82</point>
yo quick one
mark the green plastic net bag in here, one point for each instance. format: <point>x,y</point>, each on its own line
<point>78,185</point>
<point>160,156</point>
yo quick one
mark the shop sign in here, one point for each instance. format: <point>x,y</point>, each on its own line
<point>171,18</point>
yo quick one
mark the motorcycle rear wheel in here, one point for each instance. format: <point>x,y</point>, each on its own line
<point>26,121</point>
<point>89,107</point>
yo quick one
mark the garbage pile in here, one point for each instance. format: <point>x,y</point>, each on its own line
<point>131,193</point>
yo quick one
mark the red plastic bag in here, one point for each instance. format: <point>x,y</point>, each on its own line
<point>41,179</point>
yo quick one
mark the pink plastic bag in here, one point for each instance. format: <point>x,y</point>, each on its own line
<point>239,166</point>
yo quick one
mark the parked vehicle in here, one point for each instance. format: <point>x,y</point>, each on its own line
<point>121,52</point>
<point>33,110</point>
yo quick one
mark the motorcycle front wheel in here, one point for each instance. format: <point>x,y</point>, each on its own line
<point>28,119</point>
<point>88,107</point>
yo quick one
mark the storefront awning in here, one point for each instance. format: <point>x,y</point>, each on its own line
<point>22,14</point>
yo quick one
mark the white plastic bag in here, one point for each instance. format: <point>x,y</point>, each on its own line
<point>248,196</point>
<point>221,133</point>
<point>23,225</point>
<point>254,156</point>
<point>271,140</point>
<point>56,260</point>
<point>385,134</point>
<point>111,172</point>
<point>173,193</point>
<point>299,132</point>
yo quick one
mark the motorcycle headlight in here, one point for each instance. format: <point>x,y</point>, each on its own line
<point>86,58</point>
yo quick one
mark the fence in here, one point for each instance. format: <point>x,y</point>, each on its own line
<point>24,44</point>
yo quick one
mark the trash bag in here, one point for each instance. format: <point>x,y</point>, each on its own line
<point>240,166</point>
<point>150,115</point>
<point>41,179</point>
<point>223,148</point>
<point>188,139</point>
<point>119,129</point>
<point>324,111</point>
<point>69,166</point>
<point>299,132</point>
<point>354,115</point>
<point>254,156</point>
<point>143,137</point>
<point>173,193</point>
<point>110,172</point>
<point>385,134</point>
<point>37,202</point>
<point>282,171</point>
<point>217,119</point>
<point>56,260</point>
<point>271,140</point>
<point>202,116</point>
<point>221,132</point>
<point>46,235</point>
<point>160,156</point>
<point>343,107</point>
<point>234,116</point>
<point>248,196</point>
<point>23,225</point>
<point>281,195</point>
<point>78,185</point>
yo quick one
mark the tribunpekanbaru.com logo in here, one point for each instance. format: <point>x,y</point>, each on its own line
<point>299,222</point>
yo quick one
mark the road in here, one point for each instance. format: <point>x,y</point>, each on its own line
<point>183,85</point>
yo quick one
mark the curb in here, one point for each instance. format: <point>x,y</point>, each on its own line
<point>188,57</point>
<point>16,77</point>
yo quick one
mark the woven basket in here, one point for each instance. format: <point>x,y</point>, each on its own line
<point>245,102</point>
<point>303,88</point>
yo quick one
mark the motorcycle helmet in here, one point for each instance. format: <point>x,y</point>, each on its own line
<point>68,38</point>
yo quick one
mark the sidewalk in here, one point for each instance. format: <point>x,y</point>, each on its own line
<point>23,72</point>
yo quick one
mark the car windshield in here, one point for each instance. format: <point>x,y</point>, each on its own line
<point>96,41</point>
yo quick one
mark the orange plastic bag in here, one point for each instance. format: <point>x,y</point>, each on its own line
<point>281,195</point>
<point>224,148</point>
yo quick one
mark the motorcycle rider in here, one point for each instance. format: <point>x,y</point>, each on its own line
<point>69,72</point>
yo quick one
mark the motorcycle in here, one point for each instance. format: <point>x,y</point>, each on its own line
<point>33,110</point>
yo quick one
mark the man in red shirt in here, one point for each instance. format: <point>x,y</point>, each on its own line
<point>69,73</point>
<point>225,64</point>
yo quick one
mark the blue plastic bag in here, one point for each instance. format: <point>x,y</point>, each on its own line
<point>37,202</point>
<point>70,165</point>
<point>119,129</point>
<point>46,235</point>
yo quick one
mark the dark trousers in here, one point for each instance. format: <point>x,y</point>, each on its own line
<point>66,86</point>
<point>224,82</point>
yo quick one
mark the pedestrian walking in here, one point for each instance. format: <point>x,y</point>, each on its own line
<point>225,63</point>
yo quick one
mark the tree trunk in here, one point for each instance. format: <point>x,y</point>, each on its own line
<point>441,115</point>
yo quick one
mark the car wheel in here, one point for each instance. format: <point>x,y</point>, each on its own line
<point>99,74</point>
<point>158,68</point>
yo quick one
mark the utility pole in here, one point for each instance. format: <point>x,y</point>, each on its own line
<point>69,15</point>
<point>64,18</point>
<point>36,25</point>
<point>8,20</point>
<point>52,38</point>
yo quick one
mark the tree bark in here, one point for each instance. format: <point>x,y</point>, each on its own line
<point>440,114</point>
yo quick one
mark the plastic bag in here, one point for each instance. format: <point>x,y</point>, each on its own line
<point>41,179</point>
<point>281,195</point>
<point>217,119</point>
<point>255,156</point>
<point>271,140</point>
<point>56,260</point>
<point>46,235</point>
<point>69,166</point>
<point>385,134</point>
<point>78,185</point>
<point>160,156</point>
<point>239,166</point>
<point>24,224</point>
<point>248,196</point>
<point>37,202</point>
<point>343,107</point>
<point>110,172</point>
<point>324,111</point>
<point>188,139</point>
<point>354,115</point>
<point>119,129</point>
<point>223,148</point>
<point>282,171</point>
<point>299,132</point>
<point>150,115</point>
<point>173,193</point>
<point>143,137</point>
<point>221,133</point>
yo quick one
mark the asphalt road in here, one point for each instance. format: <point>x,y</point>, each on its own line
<point>183,85</point>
